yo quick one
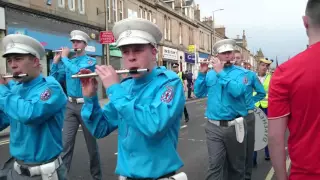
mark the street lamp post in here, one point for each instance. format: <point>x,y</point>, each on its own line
<point>213,28</point>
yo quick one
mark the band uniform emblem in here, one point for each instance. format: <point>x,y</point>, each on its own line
<point>45,95</point>
<point>167,96</point>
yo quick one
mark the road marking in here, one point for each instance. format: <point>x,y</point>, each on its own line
<point>288,163</point>
<point>204,124</point>
<point>184,126</point>
<point>116,153</point>
<point>197,101</point>
<point>193,140</point>
<point>271,172</point>
<point>4,142</point>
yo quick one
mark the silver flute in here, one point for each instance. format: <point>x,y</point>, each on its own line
<point>15,76</point>
<point>71,50</point>
<point>135,71</point>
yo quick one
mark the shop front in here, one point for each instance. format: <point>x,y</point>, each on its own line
<point>52,33</point>
<point>181,61</point>
<point>169,56</point>
<point>53,42</point>
<point>190,62</point>
<point>203,56</point>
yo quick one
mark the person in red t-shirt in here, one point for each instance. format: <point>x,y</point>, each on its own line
<point>294,96</point>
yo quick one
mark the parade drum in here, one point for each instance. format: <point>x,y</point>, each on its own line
<point>261,129</point>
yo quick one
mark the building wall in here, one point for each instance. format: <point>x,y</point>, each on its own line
<point>64,10</point>
<point>204,39</point>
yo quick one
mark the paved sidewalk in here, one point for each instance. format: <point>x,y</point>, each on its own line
<point>6,132</point>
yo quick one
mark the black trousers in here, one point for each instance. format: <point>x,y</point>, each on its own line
<point>186,115</point>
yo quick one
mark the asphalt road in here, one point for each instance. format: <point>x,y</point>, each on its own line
<point>192,148</point>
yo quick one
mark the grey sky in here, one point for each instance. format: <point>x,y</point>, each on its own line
<point>275,26</point>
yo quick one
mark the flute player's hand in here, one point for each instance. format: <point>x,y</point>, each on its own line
<point>89,85</point>
<point>107,75</point>
<point>204,66</point>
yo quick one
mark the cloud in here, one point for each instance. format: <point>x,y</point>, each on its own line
<point>275,26</point>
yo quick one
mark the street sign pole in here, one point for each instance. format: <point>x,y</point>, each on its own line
<point>107,29</point>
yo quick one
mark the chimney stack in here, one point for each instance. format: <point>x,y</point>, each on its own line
<point>197,13</point>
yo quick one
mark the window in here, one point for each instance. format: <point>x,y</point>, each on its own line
<point>115,10</point>
<point>109,10</point>
<point>208,39</point>
<point>169,29</point>
<point>145,13</point>
<point>61,3</point>
<point>81,6</point>
<point>71,4</point>
<point>201,39</point>
<point>180,33</point>
<point>172,5</point>
<point>120,9</point>
<point>190,36</point>
<point>165,27</point>
<point>150,16</point>
<point>141,12</point>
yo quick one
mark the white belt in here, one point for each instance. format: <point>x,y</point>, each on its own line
<point>77,100</point>
<point>179,176</point>
<point>239,127</point>
<point>48,169</point>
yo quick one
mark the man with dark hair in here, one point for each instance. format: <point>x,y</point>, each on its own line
<point>293,104</point>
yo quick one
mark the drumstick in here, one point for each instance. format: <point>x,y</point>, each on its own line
<point>117,71</point>
<point>15,76</point>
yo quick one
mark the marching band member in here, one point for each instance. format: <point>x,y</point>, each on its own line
<point>254,84</point>
<point>264,77</point>
<point>146,108</point>
<point>225,86</point>
<point>73,119</point>
<point>294,104</point>
<point>33,107</point>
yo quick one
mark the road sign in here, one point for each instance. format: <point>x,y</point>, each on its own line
<point>106,37</point>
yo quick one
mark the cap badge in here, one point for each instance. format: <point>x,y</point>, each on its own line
<point>128,33</point>
<point>10,46</point>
